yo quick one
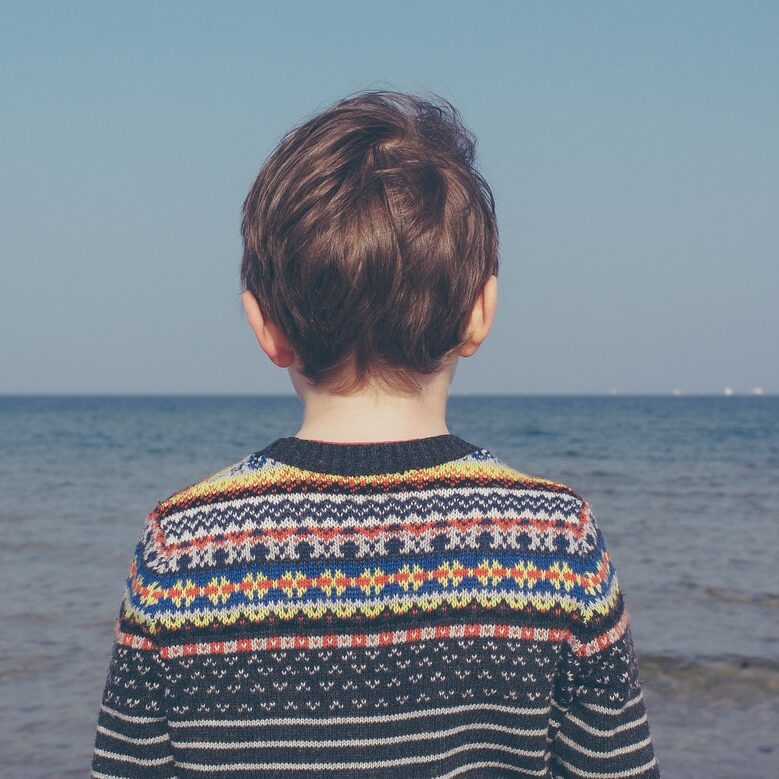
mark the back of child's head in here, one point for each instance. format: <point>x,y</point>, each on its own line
<point>368,236</point>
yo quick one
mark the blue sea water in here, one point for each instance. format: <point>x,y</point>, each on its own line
<point>685,489</point>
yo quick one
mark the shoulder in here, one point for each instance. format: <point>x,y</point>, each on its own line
<point>553,523</point>
<point>559,495</point>
<point>556,515</point>
<point>214,485</point>
<point>520,478</point>
<point>189,520</point>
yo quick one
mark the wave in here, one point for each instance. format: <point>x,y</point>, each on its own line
<point>731,678</point>
<point>765,599</point>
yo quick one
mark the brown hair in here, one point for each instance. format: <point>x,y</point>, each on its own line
<point>368,235</point>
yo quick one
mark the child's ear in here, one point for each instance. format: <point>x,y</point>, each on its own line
<point>482,317</point>
<point>273,342</point>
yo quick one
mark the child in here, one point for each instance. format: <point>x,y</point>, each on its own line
<point>373,596</point>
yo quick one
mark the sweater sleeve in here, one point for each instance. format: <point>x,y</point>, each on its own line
<point>599,721</point>
<point>132,738</point>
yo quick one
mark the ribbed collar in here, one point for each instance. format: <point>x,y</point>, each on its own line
<point>363,459</point>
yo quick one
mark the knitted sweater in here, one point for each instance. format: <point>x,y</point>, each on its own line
<point>410,608</point>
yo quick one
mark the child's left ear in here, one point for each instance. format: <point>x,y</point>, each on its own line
<point>482,317</point>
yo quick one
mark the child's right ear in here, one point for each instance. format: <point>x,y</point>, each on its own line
<point>273,342</point>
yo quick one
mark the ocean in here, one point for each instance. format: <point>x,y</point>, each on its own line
<point>685,490</point>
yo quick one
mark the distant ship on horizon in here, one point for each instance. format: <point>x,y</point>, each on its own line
<point>753,391</point>
<point>727,391</point>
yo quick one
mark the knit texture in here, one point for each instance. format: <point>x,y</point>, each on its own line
<point>408,608</point>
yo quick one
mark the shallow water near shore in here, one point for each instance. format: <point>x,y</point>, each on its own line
<point>685,489</point>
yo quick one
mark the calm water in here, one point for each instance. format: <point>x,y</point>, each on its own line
<point>686,490</point>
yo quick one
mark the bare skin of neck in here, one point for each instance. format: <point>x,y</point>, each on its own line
<point>373,414</point>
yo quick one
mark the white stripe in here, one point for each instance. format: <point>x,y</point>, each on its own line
<point>601,755</point>
<point>609,731</point>
<point>359,505</point>
<point>610,710</point>
<point>490,764</point>
<point>130,717</point>
<point>248,723</point>
<point>355,742</point>
<point>135,760</point>
<point>611,774</point>
<point>357,765</point>
<point>100,775</point>
<point>129,740</point>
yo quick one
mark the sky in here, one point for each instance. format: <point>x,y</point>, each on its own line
<point>631,148</point>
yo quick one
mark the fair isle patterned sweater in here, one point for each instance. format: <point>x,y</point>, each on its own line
<point>411,608</point>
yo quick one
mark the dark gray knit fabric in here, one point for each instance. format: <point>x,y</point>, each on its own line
<point>397,609</point>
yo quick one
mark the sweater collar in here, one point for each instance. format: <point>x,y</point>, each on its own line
<point>368,458</point>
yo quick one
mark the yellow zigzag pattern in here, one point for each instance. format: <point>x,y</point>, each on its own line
<point>286,474</point>
<point>372,582</point>
<point>428,602</point>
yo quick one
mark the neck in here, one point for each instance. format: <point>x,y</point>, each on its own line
<point>373,415</point>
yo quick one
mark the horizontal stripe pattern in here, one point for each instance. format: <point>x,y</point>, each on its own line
<point>371,593</point>
<point>414,742</point>
<point>462,619</point>
<point>255,528</point>
<point>346,640</point>
<point>340,640</point>
<point>369,721</point>
<point>271,477</point>
<point>132,745</point>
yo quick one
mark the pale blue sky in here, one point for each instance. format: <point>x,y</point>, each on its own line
<point>632,149</point>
